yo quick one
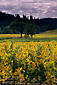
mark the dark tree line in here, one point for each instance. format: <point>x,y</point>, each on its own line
<point>6,19</point>
<point>45,24</point>
<point>10,24</point>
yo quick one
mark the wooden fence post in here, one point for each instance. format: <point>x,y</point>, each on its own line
<point>13,81</point>
<point>1,78</point>
<point>1,82</point>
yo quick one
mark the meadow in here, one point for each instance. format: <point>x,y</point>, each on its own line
<point>45,36</point>
<point>29,59</point>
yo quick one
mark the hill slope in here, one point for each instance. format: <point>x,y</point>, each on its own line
<point>51,32</point>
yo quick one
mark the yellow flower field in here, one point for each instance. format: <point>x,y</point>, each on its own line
<point>29,61</point>
<point>11,35</point>
<point>34,36</point>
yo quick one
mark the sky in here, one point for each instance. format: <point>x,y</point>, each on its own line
<point>36,8</point>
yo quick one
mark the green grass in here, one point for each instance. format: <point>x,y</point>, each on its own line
<point>29,39</point>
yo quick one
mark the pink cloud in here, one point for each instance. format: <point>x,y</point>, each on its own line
<point>37,8</point>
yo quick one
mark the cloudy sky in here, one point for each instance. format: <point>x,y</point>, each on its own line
<point>37,8</point>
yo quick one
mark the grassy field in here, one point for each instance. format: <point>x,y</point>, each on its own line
<point>45,36</point>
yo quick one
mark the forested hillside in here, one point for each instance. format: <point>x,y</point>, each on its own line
<point>42,24</point>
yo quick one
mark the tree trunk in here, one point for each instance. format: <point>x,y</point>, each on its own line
<point>31,36</point>
<point>21,35</point>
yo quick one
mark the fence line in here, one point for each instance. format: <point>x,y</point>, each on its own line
<point>33,83</point>
<point>13,82</point>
